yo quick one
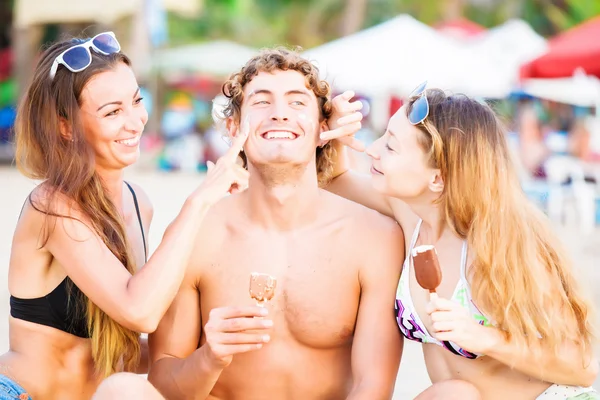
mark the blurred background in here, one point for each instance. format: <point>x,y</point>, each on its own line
<point>537,62</point>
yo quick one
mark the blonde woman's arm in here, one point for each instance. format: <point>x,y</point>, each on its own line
<point>355,186</point>
<point>569,366</point>
<point>343,124</point>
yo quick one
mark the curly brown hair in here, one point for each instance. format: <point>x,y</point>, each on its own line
<point>283,59</point>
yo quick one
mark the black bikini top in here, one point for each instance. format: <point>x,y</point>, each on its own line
<point>62,308</point>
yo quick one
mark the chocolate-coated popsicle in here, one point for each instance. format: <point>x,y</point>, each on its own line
<point>262,287</point>
<point>427,268</point>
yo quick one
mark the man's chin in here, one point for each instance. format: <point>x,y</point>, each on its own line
<point>279,160</point>
<point>279,171</point>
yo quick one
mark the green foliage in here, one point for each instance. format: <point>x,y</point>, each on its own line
<point>259,22</point>
<point>308,23</point>
<point>575,12</point>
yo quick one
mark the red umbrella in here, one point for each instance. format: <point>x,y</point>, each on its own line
<point>6,57</point>
<point>577,47</point>
<point>460,28</point>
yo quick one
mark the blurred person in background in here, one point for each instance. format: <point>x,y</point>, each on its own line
<point>533,151</point>
<point>81,289</point>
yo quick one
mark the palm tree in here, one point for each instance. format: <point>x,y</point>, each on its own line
<point>353,16</point>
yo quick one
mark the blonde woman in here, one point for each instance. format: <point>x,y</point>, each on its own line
<point>510,318</point>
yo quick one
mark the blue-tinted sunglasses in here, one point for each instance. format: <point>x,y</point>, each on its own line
<point>420,107</point>
<point>78,57</point>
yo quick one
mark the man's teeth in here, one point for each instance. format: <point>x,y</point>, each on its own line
<point>279,135</point>
<point>130,142</point>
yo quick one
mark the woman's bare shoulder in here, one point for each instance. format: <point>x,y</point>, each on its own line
<point>146,208</point>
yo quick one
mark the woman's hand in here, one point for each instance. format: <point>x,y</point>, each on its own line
<point>452,322</point>
<point>344,122</point>
<point>226,176</point>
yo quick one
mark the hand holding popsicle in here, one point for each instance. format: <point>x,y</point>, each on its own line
<point>450,321</point>
<point>232,330</point>
<point>427,269</point>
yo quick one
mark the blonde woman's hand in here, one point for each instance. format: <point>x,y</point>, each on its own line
<point>451,322</point>
<point>226,176</point>
<point>344,121</point>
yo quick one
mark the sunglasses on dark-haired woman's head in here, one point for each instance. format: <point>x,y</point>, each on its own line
<point>78,57</point>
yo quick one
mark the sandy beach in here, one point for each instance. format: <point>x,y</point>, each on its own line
<point>168,191</point>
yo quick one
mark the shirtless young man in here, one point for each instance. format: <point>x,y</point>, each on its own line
<point>329,332</point>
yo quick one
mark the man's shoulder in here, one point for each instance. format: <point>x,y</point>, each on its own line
<point>224,210</point>
<point>213,233</point>
<point>375,241</point>
<point>218,221</point>
<point>362,217</point>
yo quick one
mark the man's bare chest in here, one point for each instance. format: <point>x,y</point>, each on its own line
<point>317,290</point>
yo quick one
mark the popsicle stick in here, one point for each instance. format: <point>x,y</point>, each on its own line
<point>433,296</point>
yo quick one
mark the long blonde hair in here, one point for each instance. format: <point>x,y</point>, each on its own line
<point>67,166</point>
<point>521,277</point>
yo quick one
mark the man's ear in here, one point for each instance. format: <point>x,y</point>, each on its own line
<point>65,129</point>
<point>323,127</point>
<point>436,184</point>
<point>232,128</point>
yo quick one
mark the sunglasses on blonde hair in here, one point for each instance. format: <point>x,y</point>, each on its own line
<point>420,107</point>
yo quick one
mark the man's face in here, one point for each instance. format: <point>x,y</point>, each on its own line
<point>284,119</point>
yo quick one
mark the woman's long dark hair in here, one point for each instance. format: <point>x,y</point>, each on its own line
<point>67,167</point>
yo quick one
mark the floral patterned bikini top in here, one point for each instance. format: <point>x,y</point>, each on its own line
<point>409,322</point>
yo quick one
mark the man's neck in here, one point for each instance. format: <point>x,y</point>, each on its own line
<point>283,206</point>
